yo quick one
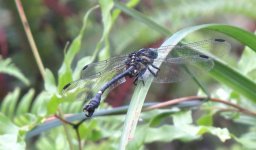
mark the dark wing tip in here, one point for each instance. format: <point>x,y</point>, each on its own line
<point>219,40</point>
<point>203,56</point>
<point>86,66</point>
<point>66,86</point>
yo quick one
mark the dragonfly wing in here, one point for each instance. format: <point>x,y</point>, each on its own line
<point>186,60</point>
<point>103,66</point>
<point>178,69</point>
<point>86,88</point>
<point>75,88</point>
<point>215,46</point>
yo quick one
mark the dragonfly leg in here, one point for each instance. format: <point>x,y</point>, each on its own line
<point>139,76</point>
<point>152,72</point>
<point>158,69</point>
<point>155,67</point>
<point>135,80</point>
<point>142,81</point>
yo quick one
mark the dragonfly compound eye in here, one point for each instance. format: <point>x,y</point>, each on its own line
<point>152,54</point>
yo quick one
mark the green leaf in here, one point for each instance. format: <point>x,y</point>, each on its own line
<point>7,67</point>
<point>205,120</point>
<point>65,76</point>
<point>129,4</point>
<point>248,139</point>
<point>142,18</point>
<point>39,106</point>
<point>182,118</point>
<point>10,135</point>
<point>9,103</point>
<point>222,134</point>
<point>25,102</point>
<point>106,7</point>
<point>53,103</point>
<point>156,118</point>
<point>247,62</point>
<point>168,133</point>
<point>27,120</point>
<point>221,72</point>
<point>133,113</point>
<point>49,82</point>
<point>137,100</point>
<point>65,71</point>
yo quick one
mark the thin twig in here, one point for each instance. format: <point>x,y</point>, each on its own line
<point>63,120</point>
<point>193,98</point>
<point>239,108</point>
<point>75,126</point>
<point>30,36</point>
<point>118,111</point>
<point>174,102</point>
<point>65,129</point>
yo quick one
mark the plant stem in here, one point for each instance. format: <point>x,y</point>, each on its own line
<point>147,107</point>
<point>75,126</point>
<point>192,98</point>
<point>66,129</point>
<point>30,36</point>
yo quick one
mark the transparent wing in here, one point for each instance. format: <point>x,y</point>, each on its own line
<point>99,68</point>
<point>215,46</point>
<point>178,69</point>
<point>186,60</point>
<point>86,88</point>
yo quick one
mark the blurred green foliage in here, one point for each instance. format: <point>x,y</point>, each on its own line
<point>97,30</point>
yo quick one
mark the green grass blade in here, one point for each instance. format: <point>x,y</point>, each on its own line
<point>142,18</point>
<point>221,72</point>
<point>137,102</point>
<point>65,72</point>
<point>235,80</point>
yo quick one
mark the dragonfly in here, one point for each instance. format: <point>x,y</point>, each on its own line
<point>142,64</point>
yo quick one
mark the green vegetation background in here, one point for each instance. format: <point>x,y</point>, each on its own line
<point>71,34</point>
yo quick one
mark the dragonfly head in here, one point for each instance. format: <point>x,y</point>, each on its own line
<point>149,52</point>
<point>152,53</point>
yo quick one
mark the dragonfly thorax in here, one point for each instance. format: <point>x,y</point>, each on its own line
<point>140,60</point>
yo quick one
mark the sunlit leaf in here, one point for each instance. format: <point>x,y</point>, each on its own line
<point>182,118</point>
<point>65,71</point>
<point>9,135</point>
<point>205,120</point>
<point>50,83</point>
<point>9,103</point>
<point>7,67</point>
<point>25,102</point>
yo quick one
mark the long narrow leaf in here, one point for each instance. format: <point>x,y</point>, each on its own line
<point>9,103</point>
<point>142,18</point>
<point>221,72</point>
<point>65,72</point>
<point>25,102</point>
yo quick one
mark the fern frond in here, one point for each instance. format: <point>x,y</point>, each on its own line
<point>7,67</point>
